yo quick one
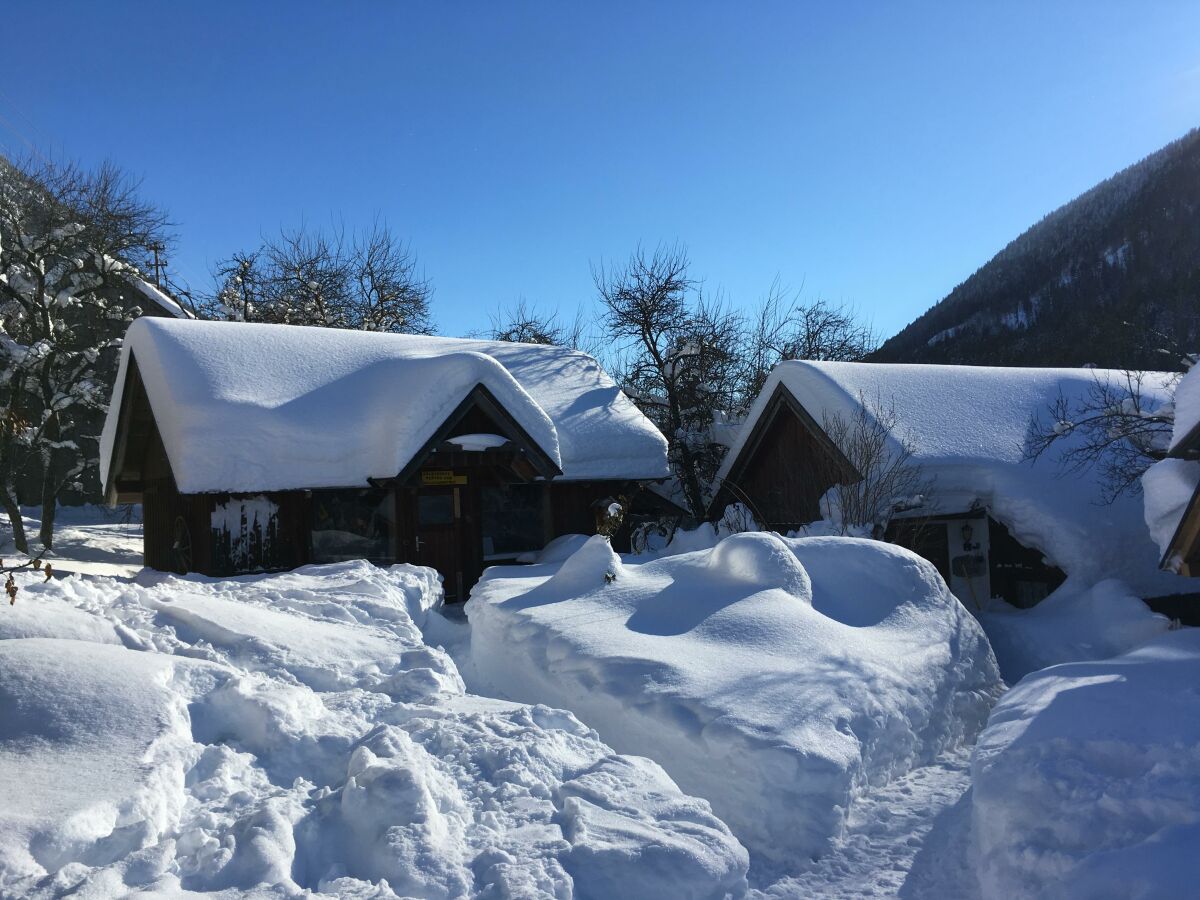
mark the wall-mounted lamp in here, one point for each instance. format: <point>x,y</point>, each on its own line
<point>967,532</point>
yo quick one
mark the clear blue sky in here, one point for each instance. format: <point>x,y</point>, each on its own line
<point>873,153</point>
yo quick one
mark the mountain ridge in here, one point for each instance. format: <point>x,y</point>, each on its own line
<point>1095,281</point>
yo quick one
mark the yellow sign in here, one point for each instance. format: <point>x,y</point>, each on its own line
<point>434,477</point>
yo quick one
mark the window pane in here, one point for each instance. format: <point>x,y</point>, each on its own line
<point>513,520</point>
<point>352,525</point>
<point>435,509</point>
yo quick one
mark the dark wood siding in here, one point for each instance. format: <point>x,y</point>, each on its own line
<point>785,475</point>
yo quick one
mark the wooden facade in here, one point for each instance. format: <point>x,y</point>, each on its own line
<point>454,510</point>
<point>785,467</point>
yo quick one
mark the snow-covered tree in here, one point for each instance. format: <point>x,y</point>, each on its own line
<point>680,358</point>
<point>67,236</point>
<point>367,281</point>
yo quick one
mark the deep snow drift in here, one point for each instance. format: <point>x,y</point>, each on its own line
<point>1087,779</point>
<point>293,732</point>
<point>778,678</point>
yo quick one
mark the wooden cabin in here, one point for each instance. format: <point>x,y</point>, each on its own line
<point>265,447</point>
<point>993,523</point>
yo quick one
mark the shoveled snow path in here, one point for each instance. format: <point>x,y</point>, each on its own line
<point>907,839</point>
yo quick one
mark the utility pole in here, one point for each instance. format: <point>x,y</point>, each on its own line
<point>157,247</point>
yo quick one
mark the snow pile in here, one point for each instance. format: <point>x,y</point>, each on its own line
<point>294,732</point>
<point>1087,779</point>
<point>967,427</point>
<point>776,678</point>
<point>250,407</point>
<point>1068,626</point>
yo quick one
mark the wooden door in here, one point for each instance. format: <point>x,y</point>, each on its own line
<point>438,538</point>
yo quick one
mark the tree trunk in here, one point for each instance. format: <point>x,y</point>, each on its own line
<point>46,532</point>
<point>49,486</point>
<point>18,524</point>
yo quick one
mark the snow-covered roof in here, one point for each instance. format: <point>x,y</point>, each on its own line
<point>967,427</point>
<point>168,304</point>
<point>248,407</point>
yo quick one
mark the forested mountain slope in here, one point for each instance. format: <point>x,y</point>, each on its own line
<point>1089,283</point>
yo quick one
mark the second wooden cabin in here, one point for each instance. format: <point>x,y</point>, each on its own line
<point>993,522</point>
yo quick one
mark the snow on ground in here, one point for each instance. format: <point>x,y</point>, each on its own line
<point>280,733</point>
<point>909,838</point>
<point>1068,626</point>
<point>1087,779</point>
<point>776,678</point>
<point>88,540</point>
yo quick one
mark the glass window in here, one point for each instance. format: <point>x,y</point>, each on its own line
<point>513,520</point>
<point>353,524</point>
<point>435,509</point>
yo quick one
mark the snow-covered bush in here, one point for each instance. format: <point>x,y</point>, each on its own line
<point>776,678</point>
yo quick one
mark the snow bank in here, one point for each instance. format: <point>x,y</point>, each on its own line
<point>775,678</point>
<point>294,732</point>
<point>1087,779</point>
<point>1068,626</point>
<point>250,407</point>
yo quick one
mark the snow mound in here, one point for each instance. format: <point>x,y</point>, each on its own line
<point>778,712</point>
<point>290,733</point>
<point>760,559</point>
<point>556,551</point>
<point>1087,779</point>
<point>595,563</point>
<point>1069,626</point>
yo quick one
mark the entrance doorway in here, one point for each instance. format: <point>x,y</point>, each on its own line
<point>438,536</point>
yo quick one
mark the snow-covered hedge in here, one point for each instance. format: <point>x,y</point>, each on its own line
<point>1087,779</point>
<point>295,732</point>
<point>776,678</point>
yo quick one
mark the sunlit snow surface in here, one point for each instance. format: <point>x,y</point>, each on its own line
<point>1087,779</point>
<point>779,678</point>
<point>274,734</point>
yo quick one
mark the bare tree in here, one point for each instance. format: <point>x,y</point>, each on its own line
<point>1114,426</point>
<point>70,240</point>
<point>784,327</point>
<point>679,357</point>
<point>523,323</point>
<point>367,281</point>
<point>890,479</point>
